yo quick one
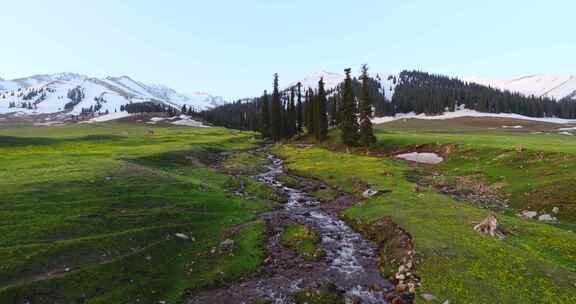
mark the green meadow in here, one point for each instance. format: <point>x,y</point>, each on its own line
<point>114,213</point>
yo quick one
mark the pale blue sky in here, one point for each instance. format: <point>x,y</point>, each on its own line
<point>232,48</point>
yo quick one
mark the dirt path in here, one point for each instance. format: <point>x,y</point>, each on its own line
<point>350,262</point>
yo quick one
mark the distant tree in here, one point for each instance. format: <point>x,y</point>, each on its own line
<point>265,116</point>
<point>299,110</point>
<point>349,124</point>
<point>276,112</point>
<point>321,129</point>
<point>366,133</point>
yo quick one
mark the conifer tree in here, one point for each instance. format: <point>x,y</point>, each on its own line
<point>349,124</point>
<point>321,115</point>
<point>299,111</point>
<point>311,101</point>
<point>276,112</point>
<point>292,125</point>
<point>265,116</point>
<point>367,137</point>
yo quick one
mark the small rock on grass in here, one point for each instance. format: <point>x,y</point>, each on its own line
<point>547,218</point>
<point>369,193</point>
<point>182,236</point>
<point>428,297</point>
<point>227,243</point>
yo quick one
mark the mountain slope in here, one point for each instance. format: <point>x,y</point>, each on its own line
<point>333,80</point>
<point>552,86</point>
<point>51,94</point>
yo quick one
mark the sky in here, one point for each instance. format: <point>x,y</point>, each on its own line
<point>232,48</point>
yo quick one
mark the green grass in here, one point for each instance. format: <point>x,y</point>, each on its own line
<point>326,195</point>
<point>303,241</point>
<point>538,179</point>
<point>536,264</point>
<point>90,212</point>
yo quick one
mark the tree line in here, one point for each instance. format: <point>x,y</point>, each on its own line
<point>431,94</point>
<point>293,111</point>
<point>298,111</point>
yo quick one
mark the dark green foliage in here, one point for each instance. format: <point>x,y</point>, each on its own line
<point>276,114</point>
<point>349,125</point>
<point>265,121</point>
<point>321,119</point>
<point>367,137</point>
<point>299,111</point>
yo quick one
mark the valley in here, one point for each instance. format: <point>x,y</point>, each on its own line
<point>112,212</point>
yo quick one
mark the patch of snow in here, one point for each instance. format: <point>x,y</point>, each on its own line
<point>47,124</point>
<point>512,127</point>
<point>470,113</point>
<point>425,158</point>
<point>566,133</point>
<point>109,117</point>
<point>189,122</point>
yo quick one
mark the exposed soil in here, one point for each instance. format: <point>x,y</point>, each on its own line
<point>351,262</point>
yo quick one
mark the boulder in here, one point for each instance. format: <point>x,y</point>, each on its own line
<point>490,227</point>
<point>547,218</point>
<point>227,243</point>
<point>182,236</point>
<point>369,193</point>
<point>529,214</point>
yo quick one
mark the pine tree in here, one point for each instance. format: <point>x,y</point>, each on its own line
<point>311,102</point>
<point>349,124</point>
<point>299,111</point>
<point>276,112</point>
<point>265,116</point>
<point>321,115</point>
<point>367,137</point>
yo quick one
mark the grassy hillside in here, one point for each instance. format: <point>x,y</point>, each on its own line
<point>115,212</point>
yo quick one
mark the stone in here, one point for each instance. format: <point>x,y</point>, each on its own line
<point>529,214</point>
<point>555,209</point>
<point>490,227</point>
<point>428,297</point>
<point>547,218</point>
<point>446,302</point>
<point>182,236</point>
<point>227,243</point>
<point>369,193</point>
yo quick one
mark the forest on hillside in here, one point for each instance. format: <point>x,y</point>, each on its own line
<point>415,91</point>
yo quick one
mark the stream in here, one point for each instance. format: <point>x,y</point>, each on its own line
<point>350,262</point>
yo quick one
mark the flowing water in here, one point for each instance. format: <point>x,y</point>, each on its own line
<point>350,262</point>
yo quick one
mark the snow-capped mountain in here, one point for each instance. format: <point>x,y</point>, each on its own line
<point>52,94</point>
<point>332,80</point>
<point>552,86</point>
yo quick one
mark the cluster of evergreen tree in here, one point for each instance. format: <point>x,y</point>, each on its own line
<point>75,95</point>
<point>421,92</point>
<point>149,107</point>
<point>296,111</point>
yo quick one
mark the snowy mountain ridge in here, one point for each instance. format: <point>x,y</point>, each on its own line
<point>50,93</point>
<point>332,80</point>
<point>540,85</point>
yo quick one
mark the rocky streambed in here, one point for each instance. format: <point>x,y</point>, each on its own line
<point>349,264</point>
